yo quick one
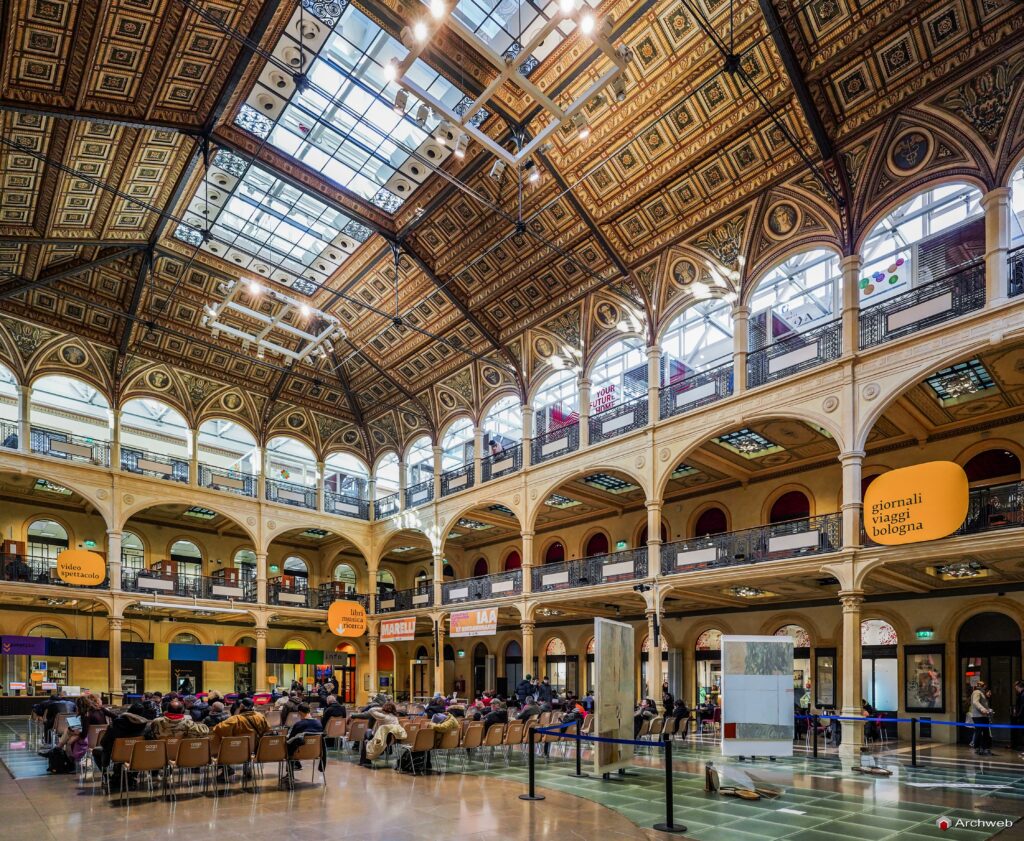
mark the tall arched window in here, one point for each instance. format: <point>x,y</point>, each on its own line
<point>245,560</point>
<point>513,560</point>
<point>419,461</point>
<point>503,425</point>
<point>226,445</point>
<point>151,427</point>
<point>56,670</point>
<point>922,240</point>
<point>294,565</point>
<point>386,477</point>
<point>480,567</point>
<point>559,668</point>
<point>993,466</point>
<point>347,576</point>
<point>879,665</point>
<point>8,408</point>
<point>698,339</point>
<point>385,581</point>
<point>346,475</point>
<point>46,540</point>
<point>709,666</point>
<point>799,294</point>
<point>457,445</point>
<point>188,557</point>
<point>597,544</point>
<point>711,521</point>
<point>557,403</point>
<point>133,552</point>
<point>792,505</point>
<point>555,553</point>
<point>70,419</point>
<point>291,461</point>
<point>618,376</point>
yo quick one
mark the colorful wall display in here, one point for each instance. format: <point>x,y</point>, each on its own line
<point>912,504</point>
<point>757,696</point>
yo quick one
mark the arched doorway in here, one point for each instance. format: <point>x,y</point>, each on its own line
<point>480,567</point>
<point>244,672</point>
<point>708,656</point>
<point>560,668</point>
<point>792,505</point>
<point>988,649</point>
<point>37,669</point>
<point>801,663</point>
<point>513,561</point>
<point>186,672</point>
<point>555,553</point>
<point>385,671</point>
<point>711,521</point>
<point>880,667</point>
<point>479,669</point>
<point>513,668</point>
<point>344,670</point>
<point>421,671</point>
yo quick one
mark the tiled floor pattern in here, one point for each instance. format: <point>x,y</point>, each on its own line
<point>18,751</point>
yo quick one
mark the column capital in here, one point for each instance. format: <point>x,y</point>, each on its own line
<point>527,627</point>
<point>115,623</point>
<point>584,381</point>
<point>996,194</point>
<point>850,260</point>
<point>114,533</point>
<point>740,311</point>
<point>852,456</point>
<point>851,600</point>
<point>653,351</point>
<point>259,633</point>
<point>653,504</point>
<point>373,639</point>
<point>528,533</point>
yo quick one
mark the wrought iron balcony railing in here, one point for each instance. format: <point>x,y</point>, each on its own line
<point>386,506</point>
<point>232,481</point>
<point>420,493</point>
<point>396,600</point>
<point>793,354</point>
<point>154,465</point>
<point>555,442</point>
<point>31,570</point>
<point>496,585</point>
<point>289,493</point>
<point>65,445</point>
<point>333,591</point>
<point>586,572</point>
<point>796,538</point>
<point>453,481</point>
<point>347,506</point>
<point>1016,271</point>
<point>950,296</point>
<point>500,464</point>
<point>696,390</point>
<point>9,435</point>
<point>292,592</point>
<point>618,420</point>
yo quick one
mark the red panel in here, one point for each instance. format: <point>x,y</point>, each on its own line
<point>729,730</point>
<point>234,654</point>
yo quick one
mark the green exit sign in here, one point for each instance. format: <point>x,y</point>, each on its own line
<point>925,633</point>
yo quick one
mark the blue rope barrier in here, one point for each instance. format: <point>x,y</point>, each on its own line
<point>933,721</point>
<point>584,737</point>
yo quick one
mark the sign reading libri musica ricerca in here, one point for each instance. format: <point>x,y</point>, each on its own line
<point>911,504</point>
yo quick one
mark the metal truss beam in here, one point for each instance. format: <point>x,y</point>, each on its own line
<point>26,285</point>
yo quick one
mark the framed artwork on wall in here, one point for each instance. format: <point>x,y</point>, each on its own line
<point>923,675</point>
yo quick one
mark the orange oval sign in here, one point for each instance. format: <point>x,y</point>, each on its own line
<point>912,504</point>
<point>346,619</point>
<point>81,567</point>
<point>271,679</point>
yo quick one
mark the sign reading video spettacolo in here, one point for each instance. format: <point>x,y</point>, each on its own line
<point>913,504</point>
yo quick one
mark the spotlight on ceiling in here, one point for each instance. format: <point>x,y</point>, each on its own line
<point>587,23</point>
<point>254,287</point>
<point>533,172</point>
<point>401,100</point>
<point>497,169</point>
<point>438,9</point>
<point>619,87</point>
<point>419,29</point>
<point>422,113</point>
<point>582,126</point>
<point>461,145</point>
<point>441,132</point>
<point>304,310</point>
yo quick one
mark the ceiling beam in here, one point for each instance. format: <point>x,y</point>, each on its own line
<point>26,285</point>
<point>702,458</point>
<point>65,241</point>
<point>353,403</point>
<point>53,112</point>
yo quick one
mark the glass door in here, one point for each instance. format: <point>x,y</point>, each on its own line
<point>999,669</point>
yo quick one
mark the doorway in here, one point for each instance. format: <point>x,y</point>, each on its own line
<point>988,649</point>
<point>186,675</point>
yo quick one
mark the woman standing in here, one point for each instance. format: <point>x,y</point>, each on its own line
<point>981,717</point>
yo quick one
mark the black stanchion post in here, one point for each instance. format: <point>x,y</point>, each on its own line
<point>532,794</point>
<point>913,741</point>
<point>670,825</point>
<point>814,734</point>
<point>579,760</point>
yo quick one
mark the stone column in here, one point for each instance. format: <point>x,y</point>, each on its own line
<point>321,478</point>
<point>193,458</point>
<point>852,502</point>
<point>24,424</point>
<point>439,658</point>
<point>996,204</point>
<point>527,411</point>
<point>115,440</point>
<point>437,471</point>
<point>264,474</point>
<point>527,561</point>
<point>260,678</point>
<point>403,483</point>
<point>653,537</point>
<point>478,455</point>
<point>373,640</point>
<point>114,625</point>
<point>114,560</point>
<point>438,577</point>
<point>653,384</point>
<point>584,411</point>
<point>261,578</point>
<point>371,496</point>
<point>853,731</point>
<point>527,628</point>
<point>850,295</point>
<point>654,677</point>
<point>740,347</point>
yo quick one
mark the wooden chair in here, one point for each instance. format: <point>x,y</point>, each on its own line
<point>422,742</point>
<point>356,733</point>
<point>291,718</point>
<point>311,750</point>
<point>191,755</point>
<point>336,729</point>
<point>273,717</point>
<point>513,738</point>
<point>493,739</point>
<point>147,758</point>
<point>234,750</point>
<point>120,754</point>
<point>671,725</point>
<point>271,748</point>
<point>449,744</point>
<point>87,764</point>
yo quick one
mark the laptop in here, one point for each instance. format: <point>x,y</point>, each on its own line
<point>74,722</point>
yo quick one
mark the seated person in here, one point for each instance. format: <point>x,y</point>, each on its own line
<point>332,709</point>
<point>442,723</point>
<point>215,714</point>
<point>529,709</point>
<point>246,721</point>
<point>436,705</point>
<point>131,724</point>
<point>496,715</point>
<point>175,724</point>
<point>385,720</point>
<point>644,712</point>
<point>681,713</point>
<point>297,732</point>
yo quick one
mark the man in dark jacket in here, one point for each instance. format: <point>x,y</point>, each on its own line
<point>332,709</point>
<point>299,729</point>
<point>215,714</point>
<point>529,709</point>
<point>436,705</point>
<point>544,691</point>
<point>524,688</point>
<point>497,715</point>
<point>129,725</point>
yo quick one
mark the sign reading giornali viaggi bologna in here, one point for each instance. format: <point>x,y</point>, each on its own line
<point>398,630</point>
<point>474,623</point>
<point>346,619</point>
<point>912,504</point>
<point>81,568</point>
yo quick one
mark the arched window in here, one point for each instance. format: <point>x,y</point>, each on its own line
<point>185,639</point>
<point>245,560</point>
<point>597,545</point>
<point>557,403</point>
<point>698,339</point>
<point>618,376</point>
<point>555,647</point>
<point>133,552</point>
<point>419,461</point>
<point>642,541</point>
<point>346,575</point>
<point>385,581</point>
<point>792,505</point>
<point>421,580</point>
<point>9,400</point>
<point>708,655</point>
<point>1017,206</point>
<point>877,632</point>
<point>226,445</point>
<point>801,639</point>
<point>46,540</point>
<point>294,565</point>
<point>513,560</point>
<point>48,631</point>
<point>797,295</point>
<point>503,425</point>
<point>555,553</point>
<point>188,557</point>
<point>480,567</point>
<point>557,666</point>
<point>993,466</point>
<point>346,475</point>
<point>710,640</point>
<point>922,240</point>
<point>56,669</point>
<point>291,461</point>
<point>457,445</point>
<point>711,521</point>
<point>386,477</point>
<point>64,410</point>
<point>447,570</point>
<point>152,427</point>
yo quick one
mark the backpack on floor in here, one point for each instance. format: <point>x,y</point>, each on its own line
<point>58,762</point>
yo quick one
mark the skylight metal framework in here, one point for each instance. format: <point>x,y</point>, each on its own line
<point>313,344</point>
<point>510,68</point>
